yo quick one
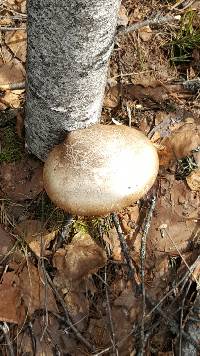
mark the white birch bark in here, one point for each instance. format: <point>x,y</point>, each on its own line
<point>69,45</point>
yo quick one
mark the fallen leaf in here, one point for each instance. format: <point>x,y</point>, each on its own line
<point>77,304</point>
<point>45,342</point>
<point>16,41</point>
<point>11,99</point>
<point>128,300</point>
<point>21,180</point>
<point>122,17</point>
<point>12,72</point>
<point>182,141</point>
<point>113,244</point>
<point>149,92</point>
<point>36,236</point>
<point>175,213</point>
<point>98,332</point>
<point>193,180</point>
<point>19,124</point>
<point>29,229</point>
<point>11,309</point>
<point>80,258</point>
<point>35,291</point>
<point>196,273</point>
<point>5,21</point>
<point>23,6</point>
<point>111,99</point>
<point>145,33</point>
<point>40,245</point>
<point>177,208</point>
<point>6,242</point>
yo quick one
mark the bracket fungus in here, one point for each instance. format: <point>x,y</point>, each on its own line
<point>100,169</point>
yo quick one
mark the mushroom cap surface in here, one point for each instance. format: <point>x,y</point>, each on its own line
<point>100,169</point>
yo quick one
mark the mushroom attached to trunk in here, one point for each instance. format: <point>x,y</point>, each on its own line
<point>100,169</point>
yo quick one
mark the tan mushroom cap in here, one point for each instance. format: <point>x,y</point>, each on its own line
<point>100,169</point>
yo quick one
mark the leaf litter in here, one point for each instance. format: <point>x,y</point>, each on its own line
<point>80,289</point>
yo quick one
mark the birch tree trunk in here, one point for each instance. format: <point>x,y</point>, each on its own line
<point>69,45</point>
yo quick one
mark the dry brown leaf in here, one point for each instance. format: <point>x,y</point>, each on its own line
<point>128,300</point>
<point>159,278</point>
<point>35,291</point>
<point>16,41</point>
<point>111,99</point>
<point>178,228</point>
<point>66,343</point>
<point>122,16</point>
<point>29,229</point>
<point>21,180</point>
<point>80,258</point>
<point>19,124</point>
<point>98,331</point>
<point>6,242</point>
<point>33,233</point>
<point>23,6</point>
<point>177,209</point>
<point>46,239</point>
<point>12,72</point>
<point>11,309</point>
<point>196,274</point>
<point>193,180</point>
<point>145,33</point>
<point>112,240</point>
<point>183,141</point>
<point>77,304</point>
<point>148,91</point>
<point>11,99</point>
<point>5,21</point>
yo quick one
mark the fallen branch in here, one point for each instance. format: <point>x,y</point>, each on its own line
<point>79,336</point>
<point>7,28</point>
<point>147,223</point>
<point>6,333</point>
<point>174,326</point>
<point>125,250</point>
<point>156,21</point>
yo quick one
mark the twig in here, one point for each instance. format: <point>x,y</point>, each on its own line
<point>7,28</point>
<point>64,232</point>
<point>146,227</point>
<point>182,5</point>
<point>181,318</point>
<point>154,308</point>
<point>125,250</point>
<point>33,341</point>
<point>12,86</point>
<point>192,327</point>
<point>187,274</point>
<point>69,322</point>
<point>113,339</point>
<point>79,336</point>
<point>174,325</point>
<point>164,127</point>
<point>14,17</point>
<point>157,20</point>
<point>6,330</point>
<point>162,232</point>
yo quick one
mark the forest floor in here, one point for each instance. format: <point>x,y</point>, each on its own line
<point>125,284</point>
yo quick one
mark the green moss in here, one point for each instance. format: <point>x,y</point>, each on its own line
<point>11,146</point>
<point>92,225</point>
<point>80,226</point>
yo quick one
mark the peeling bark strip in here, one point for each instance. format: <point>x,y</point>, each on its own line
<point>69,45</point>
